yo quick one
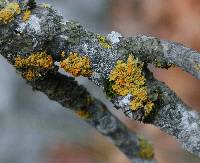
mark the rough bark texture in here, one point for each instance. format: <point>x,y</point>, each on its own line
<point>46,31</point>
<point>66,91</point>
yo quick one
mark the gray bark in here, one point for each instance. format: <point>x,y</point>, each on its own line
<point>46,31</point>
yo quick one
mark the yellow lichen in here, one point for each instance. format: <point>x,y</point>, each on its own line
<point>197,67</point>
<point>39,59</point>
<point>62,54</point>
<point>127,79</point>
<point>83,114</point>
<point>34,64</point>
<point>46,5</point>
<point>26,15</point>
<point>8,13</point>
<point>103,42</point>
<point>146,149</point>
<point>30,75</point>
<point>77,65</point>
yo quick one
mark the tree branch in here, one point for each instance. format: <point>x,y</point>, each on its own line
<point>45,31</point>
<point>165,52</point>
<point>66,91</point>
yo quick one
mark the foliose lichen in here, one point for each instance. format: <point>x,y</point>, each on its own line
<point>146,149</point>
<point>8,13</point>
<point>77,65</point>
<point>127,78</point>
<point>35,65</point>
<point>114,37</point>
<point>75,32</point>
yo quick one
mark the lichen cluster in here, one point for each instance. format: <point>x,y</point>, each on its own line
<point>84,114</point>
<point>77,65</point>
<point>34,65</point>
<point>3,3</point>
<point>103,42</point>
<point>30,74</point>
<point>8,13</point>
<point>46,5</point>
<point>62,54</point>
<point>26,15</point>
<point>127,78</point>
<point>146,149</point>
<point>197,67</point>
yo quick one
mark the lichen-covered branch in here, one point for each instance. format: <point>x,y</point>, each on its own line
<point>119,65</point>
<point>66,91</point>
<point>42,75</point>
<point>164,53</point>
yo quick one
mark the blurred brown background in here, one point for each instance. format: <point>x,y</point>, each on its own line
<point>34,129</point>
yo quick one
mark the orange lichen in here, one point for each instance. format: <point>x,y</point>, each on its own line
<point>83,114</point>
<point>8,13</point>
<point>30,75</point>
<point>26,15</point>
<point>77,65</point>
<point>34,64</point>
<point>127,79</point>
<point>39,59</point>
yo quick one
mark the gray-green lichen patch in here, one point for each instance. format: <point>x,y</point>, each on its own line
<point>181,56</point>
<point>123,103</point>
<point>148,49</point>
<point>162,53</point>
<point>107,124</point>
<point>184,125</point>
<point>146,149</point>
<point>32,25</point>
<point>3,3</point>
<point>114,37</point>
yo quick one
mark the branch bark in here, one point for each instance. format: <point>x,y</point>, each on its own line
<point>66,91</point>
<point>46,31</point>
